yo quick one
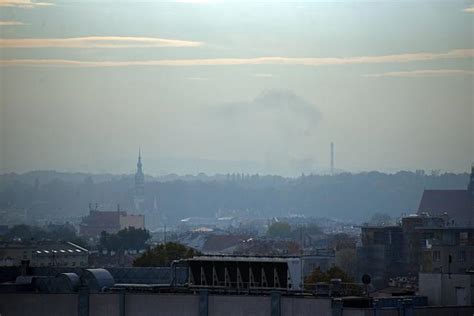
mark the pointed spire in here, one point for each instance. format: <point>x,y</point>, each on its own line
<point>139,163</point>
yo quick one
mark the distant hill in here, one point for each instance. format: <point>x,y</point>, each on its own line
<point>344,196</point>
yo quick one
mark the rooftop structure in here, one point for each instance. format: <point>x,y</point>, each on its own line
<point>109,221</point>
<point>43,254</point>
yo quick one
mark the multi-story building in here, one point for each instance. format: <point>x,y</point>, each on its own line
<point>390,251</point>
<point>109,221</point>
<point>447,249</point>
<point>439,239</point>
<point>43,254</point>
<point>382,253</point>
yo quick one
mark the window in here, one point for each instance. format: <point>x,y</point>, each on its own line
<point>462,255</point>
<point>436,256</point>
<point>463,238</point>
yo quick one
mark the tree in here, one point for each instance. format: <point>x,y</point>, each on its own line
<point>332,273</point>
<point>61,232</point>
<point>25,233</point>
<point>279,230</point>
<point>125,239</point>
<point>132,238</point>
<point>162,255</point>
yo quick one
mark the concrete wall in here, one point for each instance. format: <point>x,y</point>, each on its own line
<point>104,304</point>
<point>161,304</point>
<point>27,304</point>
<point>157,304</point>
<point>418,311</point>
<point>441,288</point>
<point>305,306</point>
<point>239,305</point>
<point>442,311</point>
<point>135,304</point>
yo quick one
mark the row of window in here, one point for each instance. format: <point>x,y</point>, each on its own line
<point>62,264</point>
<point>461,256</point>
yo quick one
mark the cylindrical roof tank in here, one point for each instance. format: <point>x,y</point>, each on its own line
<point>66,283</point>
<point>97,279</point>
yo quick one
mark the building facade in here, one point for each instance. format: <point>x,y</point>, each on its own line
<point>109,221</point>
<point>43,254</point>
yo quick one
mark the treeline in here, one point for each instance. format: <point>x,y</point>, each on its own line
<point>345,196</point>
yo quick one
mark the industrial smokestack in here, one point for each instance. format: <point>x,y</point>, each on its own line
<point>332,158</point>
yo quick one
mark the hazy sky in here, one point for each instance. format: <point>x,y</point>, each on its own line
<point>222,86</point>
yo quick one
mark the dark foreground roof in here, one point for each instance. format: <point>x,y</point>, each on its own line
<point>456,203</point>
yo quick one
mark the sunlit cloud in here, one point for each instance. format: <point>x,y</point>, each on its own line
<point>11,23</point>
<point>324,61</point>
<point>425,73</point>
<point>264,75</point>
<point>469,10</point>
<point>95,42</point>
<point>28,4</point>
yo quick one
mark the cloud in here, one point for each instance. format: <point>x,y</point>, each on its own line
<point>425,73</point>
<point>197,78</point>
<point>95,42</point>
<point>281,102</point>
<point>323,61</point>
<point>469,10</point>
<point>28,4</point>
<point>264,75</point>
<point>11,23</point>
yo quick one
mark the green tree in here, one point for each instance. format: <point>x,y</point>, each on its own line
<point>133,238</point>
<point>25,233</point>
<point>126,239</point>
<point>279,230</point>
<point>162,255</point>
<point>332,273</point>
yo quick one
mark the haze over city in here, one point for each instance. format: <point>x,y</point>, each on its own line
<point>221,86</point>
<point>224,157</point>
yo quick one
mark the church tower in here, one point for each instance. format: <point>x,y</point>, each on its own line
<point>139,196</point>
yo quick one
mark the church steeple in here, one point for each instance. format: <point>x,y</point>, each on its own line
<point>139,163</point>
<point>139,177</point>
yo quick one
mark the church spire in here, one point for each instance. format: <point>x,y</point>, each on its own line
<point>139,163</point>
<point>139,196</point>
